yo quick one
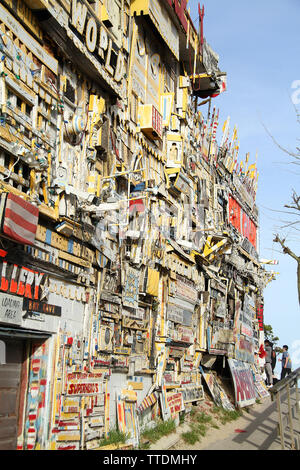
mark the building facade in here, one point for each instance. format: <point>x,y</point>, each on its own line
<point>129,235</point>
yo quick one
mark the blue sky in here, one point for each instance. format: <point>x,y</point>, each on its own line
<point>259,47</point>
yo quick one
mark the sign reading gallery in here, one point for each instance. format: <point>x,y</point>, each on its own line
<point>20,280</point>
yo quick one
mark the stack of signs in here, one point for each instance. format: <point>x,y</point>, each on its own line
<point>218,394</point>
<point>165,410</point>
<point>259,383</point>
<point>127,417</point>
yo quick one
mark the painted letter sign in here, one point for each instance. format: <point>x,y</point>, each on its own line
<point>42,307</point>
<point>10,309</point>
<point>243,382</point>
<point>20,280</point>
<point>97,39</point>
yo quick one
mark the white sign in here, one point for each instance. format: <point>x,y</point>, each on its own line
<point>11,309</point>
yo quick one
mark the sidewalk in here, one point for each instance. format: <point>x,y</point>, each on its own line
<point>260,431</point>
<point>259,427</point>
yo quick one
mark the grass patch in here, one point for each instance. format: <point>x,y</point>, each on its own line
<point>114,437</point>
<point>163,428</point>
<point>225,416</point>
<point>181,417</point>
<point>190,437</point>
<point>199,425</point>
<point>203,418</point>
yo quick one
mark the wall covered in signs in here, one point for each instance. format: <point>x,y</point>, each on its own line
<point>128,233</point>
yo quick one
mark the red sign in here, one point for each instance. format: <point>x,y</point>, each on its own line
<point>157,121</point>
<point>179,7</point>
<point>20,280</point>
<point>260,316</point>
<point>241,221</point>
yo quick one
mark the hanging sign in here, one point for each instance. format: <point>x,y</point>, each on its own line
<point>42,307</point>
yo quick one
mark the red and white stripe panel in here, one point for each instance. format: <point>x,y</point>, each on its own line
<point>20,219</point>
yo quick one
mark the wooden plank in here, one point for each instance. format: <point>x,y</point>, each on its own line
<point>74,259</point>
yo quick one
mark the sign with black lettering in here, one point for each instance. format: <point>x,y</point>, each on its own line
<point>42,307</point>
<point>10,309</point>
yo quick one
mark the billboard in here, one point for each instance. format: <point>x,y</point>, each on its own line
<point>243,382</point>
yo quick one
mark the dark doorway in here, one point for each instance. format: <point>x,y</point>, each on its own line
<point>10,382</point>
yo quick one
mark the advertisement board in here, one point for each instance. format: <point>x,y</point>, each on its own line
<point>243,382</point>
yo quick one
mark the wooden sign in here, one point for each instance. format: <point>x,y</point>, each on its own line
<point>84,384</point>
<point>192,393</point>
<point>20,280</point>
<point>96,38</point>
<point>42,307</point>
<point>175,402</point>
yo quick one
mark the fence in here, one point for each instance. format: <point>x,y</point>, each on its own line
<point>286,395</point>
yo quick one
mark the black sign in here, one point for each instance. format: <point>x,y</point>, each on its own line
<point>42,307</point>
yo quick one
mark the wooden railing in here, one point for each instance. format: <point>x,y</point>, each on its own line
<point>286,394</point>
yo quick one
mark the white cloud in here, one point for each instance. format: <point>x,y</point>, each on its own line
<point>295,353</point>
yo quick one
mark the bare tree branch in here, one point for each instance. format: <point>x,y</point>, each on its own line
<point>288,251</point>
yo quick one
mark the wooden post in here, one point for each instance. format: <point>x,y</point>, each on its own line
<point>281,430</point>
<point>290,417</point>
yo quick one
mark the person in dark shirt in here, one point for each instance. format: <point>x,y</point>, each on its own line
<point>274,358</point>
<point>268,363</point>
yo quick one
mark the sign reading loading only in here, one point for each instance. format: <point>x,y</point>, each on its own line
<point>10,309</point>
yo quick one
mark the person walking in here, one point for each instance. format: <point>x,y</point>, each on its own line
<point>268,363</point>
<point>286,362</point>
<point>274,358</point>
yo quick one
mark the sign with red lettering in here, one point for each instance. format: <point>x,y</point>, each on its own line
<point>260,316</point>
<point>243,381</point>
<point>175,402</point>
<point>84,384</point>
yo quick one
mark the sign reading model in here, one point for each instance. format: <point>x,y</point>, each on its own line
<point>97,39</point>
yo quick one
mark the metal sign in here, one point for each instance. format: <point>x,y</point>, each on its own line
<point>41,307</point>
<point>243,382</point>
